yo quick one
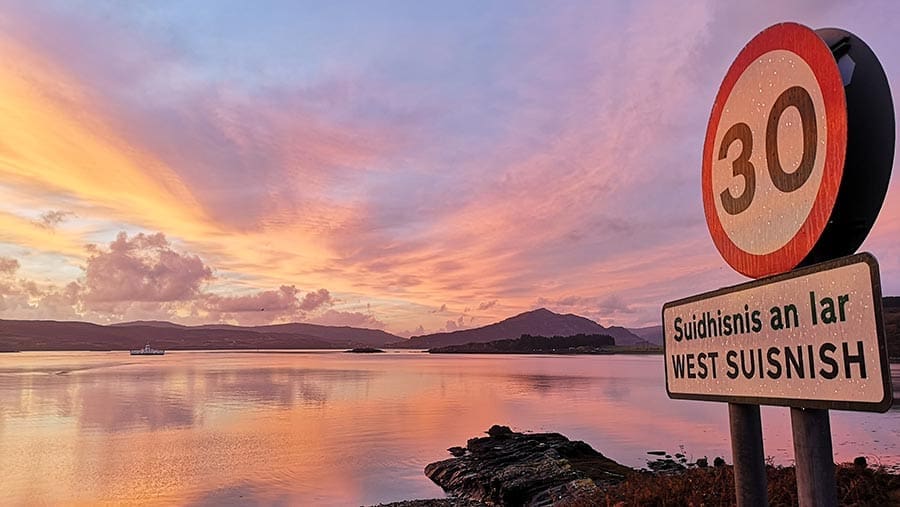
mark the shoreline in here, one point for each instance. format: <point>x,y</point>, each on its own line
<point>512,468</point>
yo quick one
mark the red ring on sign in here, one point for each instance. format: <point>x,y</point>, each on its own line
<point>803,42</point>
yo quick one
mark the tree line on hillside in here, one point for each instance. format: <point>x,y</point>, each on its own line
<point>530,344</point>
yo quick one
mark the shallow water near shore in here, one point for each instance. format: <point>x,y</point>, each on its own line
<point>329,428</point>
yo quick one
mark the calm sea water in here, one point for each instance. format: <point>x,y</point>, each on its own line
<point>328,428</point>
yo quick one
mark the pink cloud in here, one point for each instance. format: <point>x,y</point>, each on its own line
<point>487,305</point>
<point>144,277</point>
<point>284,304</point>
<point>281,301</point>
<point>28,299</point>
<point>8,266</point>
<point>142,268</point>
<point>52,218</point>
<point>598,308</point>
<point>455,325</point>
<point>314,300</point>
<point>353,319</point>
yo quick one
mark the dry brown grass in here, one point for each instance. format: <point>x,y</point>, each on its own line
<point>715,486</point>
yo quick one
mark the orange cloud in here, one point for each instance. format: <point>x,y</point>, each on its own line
<point>56,141</point>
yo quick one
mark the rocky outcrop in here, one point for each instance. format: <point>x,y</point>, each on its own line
<point>532,469</point>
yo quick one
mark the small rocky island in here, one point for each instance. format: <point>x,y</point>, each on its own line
<point>528,344</point>
<point>364,350</point>
<point>509,468</point>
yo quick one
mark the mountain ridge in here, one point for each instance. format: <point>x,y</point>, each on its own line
<point>538,322</point>
<point>76,335</point>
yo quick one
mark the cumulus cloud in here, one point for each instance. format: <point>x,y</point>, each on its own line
<point>614,304</point>
<point>594,306</point>
<point>283,300</point>
<point>406,333</point>
<point>265,306</point>
<point>455,325</point>
<point>315,300</point>
<point>353,319</point>
<point>27,299</point>
<point>442,309</point>
<point>563,301</point>
<point>60,303</point>
<point>52,218</point>
<point>487,305</point>
<point>144,277</point>
<point>143,268</point>
<point>8,266</point>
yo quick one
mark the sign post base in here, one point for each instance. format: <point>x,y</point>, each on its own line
<point>749,459</point>
<point>814,457</point>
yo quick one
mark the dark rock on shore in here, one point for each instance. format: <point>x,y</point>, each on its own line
<point>457,452</point>
<point>509,468</point>
<point>364,350</point>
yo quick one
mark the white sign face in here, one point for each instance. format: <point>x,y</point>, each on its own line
<point>775,104</point>
<point>810,338</point>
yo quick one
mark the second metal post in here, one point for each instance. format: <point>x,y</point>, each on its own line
<point>749,459</point>
<point>814,458</point>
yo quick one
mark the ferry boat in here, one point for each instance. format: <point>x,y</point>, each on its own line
<point>147,351</point>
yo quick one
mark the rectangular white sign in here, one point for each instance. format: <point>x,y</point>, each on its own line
<point>813,337</point>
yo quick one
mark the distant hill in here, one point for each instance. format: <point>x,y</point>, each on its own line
<point>652,334</point>
<point>540,322</point>
<point>338,334</point>
<point>66,335</point>
<point>150,323</point>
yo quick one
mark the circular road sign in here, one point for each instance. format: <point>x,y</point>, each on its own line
<point>798,150</point>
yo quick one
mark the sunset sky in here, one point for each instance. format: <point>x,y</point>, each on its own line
<point>411,166</point>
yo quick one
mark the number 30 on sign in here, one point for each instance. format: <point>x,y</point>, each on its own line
<point>777,147</point>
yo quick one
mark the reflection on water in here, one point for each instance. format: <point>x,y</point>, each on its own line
<point>326,428</point>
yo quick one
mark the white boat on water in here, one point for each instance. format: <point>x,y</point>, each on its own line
<point>147,351</point>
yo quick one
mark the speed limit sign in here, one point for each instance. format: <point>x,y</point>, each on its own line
<point>798,150</point>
